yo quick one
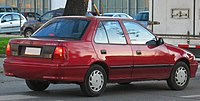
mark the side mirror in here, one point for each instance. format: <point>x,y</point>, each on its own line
<point>160,41</point>
<point>151,43</point>
<point>3,21</point>
<point>38,19</point>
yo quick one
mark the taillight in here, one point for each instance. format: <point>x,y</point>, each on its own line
<point>8,49</point>
<point>59,53</point>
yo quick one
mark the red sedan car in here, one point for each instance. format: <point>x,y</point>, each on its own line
<point>92,51</point>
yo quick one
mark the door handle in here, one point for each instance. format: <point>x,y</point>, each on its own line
<point>10,22</point>
<point>138,52</point>
<point>103,51</point>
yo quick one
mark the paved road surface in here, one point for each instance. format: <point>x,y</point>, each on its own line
<point>15,89</point>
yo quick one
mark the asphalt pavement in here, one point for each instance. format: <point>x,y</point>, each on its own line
<point>1,65</point>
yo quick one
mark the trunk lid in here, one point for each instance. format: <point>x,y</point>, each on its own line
<point>33,47</point>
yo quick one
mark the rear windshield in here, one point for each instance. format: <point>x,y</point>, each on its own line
<point>63,28</point>
<point>142,17</point>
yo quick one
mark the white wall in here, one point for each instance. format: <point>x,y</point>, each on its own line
<point>168,24</point>
<point>197,17</point>
<point>55,4</point>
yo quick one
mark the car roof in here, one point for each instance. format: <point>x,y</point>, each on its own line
<point>113,13</point>
<point>144,12</point>
<point>57,10</point>
<point>92,17</point>
<point>7,7</point>
<point>9,13</point>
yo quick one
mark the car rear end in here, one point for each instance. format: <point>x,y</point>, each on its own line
<point>45,54</point>
<point>33,58</point>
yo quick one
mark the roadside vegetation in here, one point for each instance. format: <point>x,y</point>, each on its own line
<point>3,42</point>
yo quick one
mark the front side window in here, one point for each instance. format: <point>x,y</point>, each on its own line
<point>48,16</point>
<point>63,28</point>
<point>114,32</point>
<point>7,18</point>
<point>123,16</point>
<point>137,33</point>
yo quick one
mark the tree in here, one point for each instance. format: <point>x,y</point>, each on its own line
<point>76,7</point>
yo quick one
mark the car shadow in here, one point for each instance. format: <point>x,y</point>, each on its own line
<point>64,91</point>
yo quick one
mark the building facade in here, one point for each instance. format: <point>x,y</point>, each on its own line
<point>39,6</point>
<point>130,7</point>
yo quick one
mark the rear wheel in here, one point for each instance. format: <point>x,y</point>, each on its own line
<point>28,32</point>
<point>95,81</point>
<point>179,77</point>
<point>37,85</point>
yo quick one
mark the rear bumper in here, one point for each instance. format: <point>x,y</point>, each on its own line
<point>46,72</point>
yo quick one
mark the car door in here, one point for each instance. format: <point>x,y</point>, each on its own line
<point>16,23</point>
<point>150,62</point>
<point>6,23</point>
<point>111,46</point>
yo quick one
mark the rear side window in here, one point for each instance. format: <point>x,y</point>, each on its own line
<point>16,17</point>
<point>114,32</point>
<point>101,36</point>
<point>142,17</point>
<point>15,10</point>
<point>2,10</point>
<point>8,9</point>
<point>63,28</point>
<point>110,32</point>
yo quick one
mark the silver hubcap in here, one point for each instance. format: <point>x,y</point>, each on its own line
<point>96,80</point>
<point>181,76</point>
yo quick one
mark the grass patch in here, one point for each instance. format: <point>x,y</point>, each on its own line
<point>3,42</point>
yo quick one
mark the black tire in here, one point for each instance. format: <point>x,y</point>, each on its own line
<point>37,85</point>
<point>95,76</point>
<point>28,32</point>
<point>180,76</point>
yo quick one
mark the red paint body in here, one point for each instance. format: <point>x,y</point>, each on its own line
<point>81,54</point>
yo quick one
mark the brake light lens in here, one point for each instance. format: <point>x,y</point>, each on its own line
<point>8,49</point>
<point>59,53</point>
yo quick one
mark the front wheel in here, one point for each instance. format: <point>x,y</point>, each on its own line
<point>179,77</point>
<point>28,32</point>
<point>37,85</point>
<point>95,81</point>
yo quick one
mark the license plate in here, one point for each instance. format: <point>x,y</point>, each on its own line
<point>32,51</point>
